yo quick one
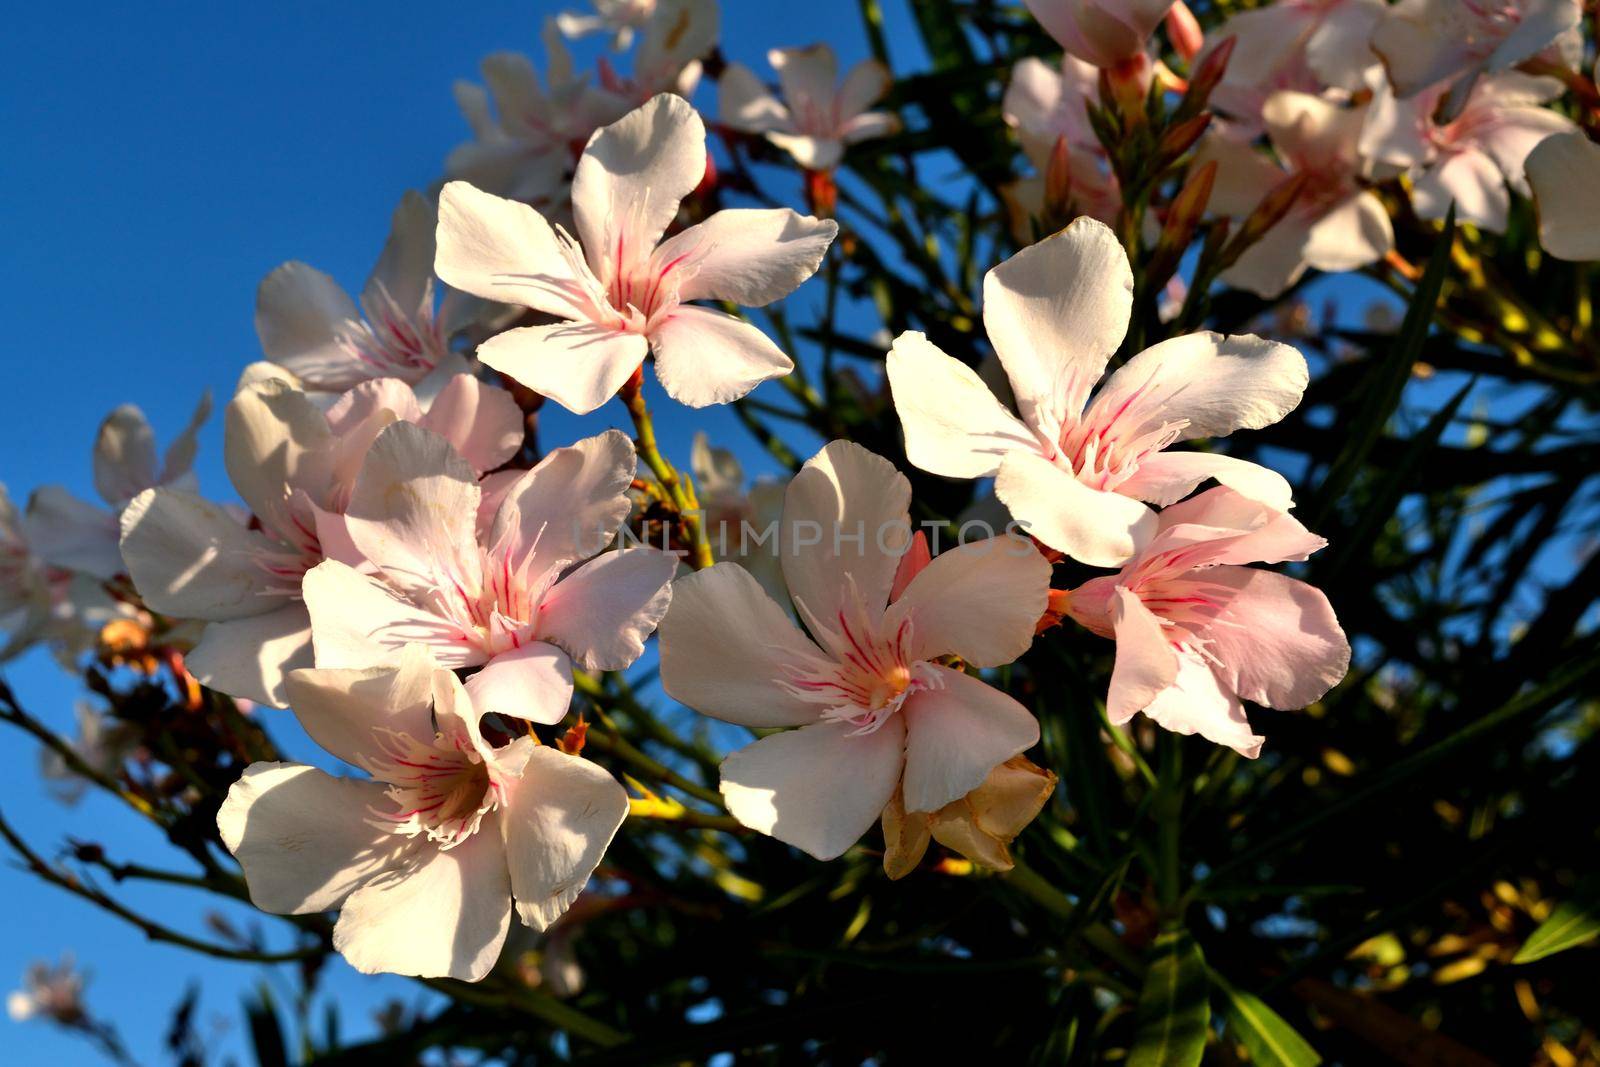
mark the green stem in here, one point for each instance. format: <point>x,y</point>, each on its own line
<point>1096,935</point>
<point>1167,810</point>
<point>678,487</point>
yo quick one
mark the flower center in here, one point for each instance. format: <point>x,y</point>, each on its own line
<point>440,788</point>
<point>404,342</point>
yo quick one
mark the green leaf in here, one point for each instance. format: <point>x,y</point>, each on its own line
<point>1573,923</point>
<point>1269,1040</point>
<point>1174,1012</point>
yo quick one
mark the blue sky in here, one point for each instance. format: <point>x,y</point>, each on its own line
<point>160,159</point>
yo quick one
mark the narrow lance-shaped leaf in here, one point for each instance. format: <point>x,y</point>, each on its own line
<point>1174,1013</point>
<point>1573,923</point>
<point>1270,1041</point>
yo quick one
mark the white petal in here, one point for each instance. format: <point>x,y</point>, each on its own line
<point>1094,527</point>
<point>1350,236</point>
<point>1564,172</point>
<point>1278,639</point>
<point>1470,180</point>
<point>504,250</point>
<point>845,524</point>
<point>956,735</point>
<point>533,682</point>
<point>602,612</point>
<point>745,104</point>
<point>864,86</point>
<point>570,505</point>
<point>1218,384</point>
<point>980,601</point>
<point>481,422</point>
<point>65,531</point>
<point>808,75</point>
<point>179,458</point>
<point>631,178</point>
<point>705,357</point>
<point>303,836</point>
<point>579,365</point>
<point>193,560</point>
<point>1167,477</point>
<point>340,709</point>
<point>1055,312</point>
<point>1275,262</point>
<point>275,441</point>
<point>1145,665</point>
<point>870,126</point>
<point>249,657</point>
<point>124,455</point>
<point>726,646</point>
<point>358,621</point>
<point>812,153</point>
<point>1198,702</point>
<point>558,819</point>
<point>414,508</point>
<point>445,915</point>
<point>817,788</point>
<point>749,256</point>
<point>953,424</point>
<point>303,319</point>
<point>404,269</point>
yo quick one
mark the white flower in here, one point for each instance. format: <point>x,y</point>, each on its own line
<point>309,325</point>
<point>875,712</point>
<point>76,535</point>
<point>1102,32</point>
<point>1471,160</point>
<point>1074,471</point>
<point>295,466</point>
<point>620,18</point>
<point>625,291</point>
<point>1564,172</point>
<point>1049,110</point>
<point>519,601</point>
<point>1336,223</point>
<point>427,858</point>
<point>1425,42</point>
<point>818,116</point>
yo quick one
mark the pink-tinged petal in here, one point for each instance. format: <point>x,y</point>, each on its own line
<point>1520,129</point>
<point>557,821</point>
<point>627,186</point>
<point>1198,702</point>
<point>341,709</point>
<point>179,458</point>
<point>334,541</point>
<point>570,505</point>
<point>1564,172</point>
<point>533,682</point>
<point>1244,175</point>
<point>1541,23</point>
<point>863,86</point>
<point>413,511</point>
<point>494,488</point>
<point>602,612</point>
<point>953,424</point>
<point>1055,312</point>
<point>956,734</point>
<point>807,75</point>
<point>65,531</point>
<point>1223,525</point>
<point>124,455</point>
<point>812,153</point>
<point>675,38</point>
<point>1217,384</point>
<point>276,441</point>
<point>191,559</point>
<point>579,365</point>
<point>980,601</point>
<point>1351,235</point>
<point>1472,182</point>
<point>749,256</point>
<point>818,788</point>
<point>504,250</point>
<point>846,523</point>
<point>443,915</point>
<point>359,404</point>
<point>304,838</point>
<point>358,621</point>
<point>870,126</point>
<point>1339,51</point>
<point>913,563</point>
<point>1102,32</point>
<point>1275,262</point>
<point>1146,664</point>
<point>250,657</point>
<point>303,319</point>
<point>706,357</point>
<point>727,647</point>
<point>482,422</point>
<point>1167,477</point>
<point>1092,526</point>
<point>1278,640</point>
<point>1307,127</point>
<point>746,104</point>
<point>404,271</point>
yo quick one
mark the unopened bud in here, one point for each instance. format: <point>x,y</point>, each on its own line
<point>1179,138</point>
<point>1128,84</point>
<point>573,740</point>
<point>1183,218</point>
<point>1058,181</point>
<point>1205,78</point>
<point>822,193</point>
<point>1273,207</point>
<point>1184,31</point>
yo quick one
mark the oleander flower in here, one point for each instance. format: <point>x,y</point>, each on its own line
<point>1048,109</point>
<point>1336,223</point>
<point>1471,160</point>
<point>818,115</point>
<point>619,18</point>
<point>1197,633</point>
<point>76,535</point>
<point>427,857</point>
<point>874,707</point>
<point>1102,32</point>
<point>1425,42</point>
<point>1077,473</point>
<point>295,467</point>
<point>624,291</point>
<point>521,603</point>
<point>309,325</point>
<point>1303,45</point>
<point>1564,172</point>
<point>980,825</point>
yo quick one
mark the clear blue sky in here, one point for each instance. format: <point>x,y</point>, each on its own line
<point>159,160</point>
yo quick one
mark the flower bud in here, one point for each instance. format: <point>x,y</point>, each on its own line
<point>1184,31</point>
<point>1058,181</point>
<point>1179,138</point>
<point>1205,78</point>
